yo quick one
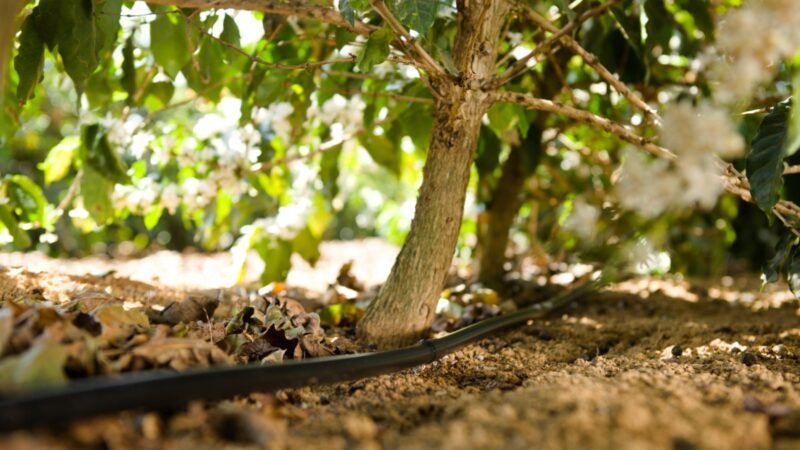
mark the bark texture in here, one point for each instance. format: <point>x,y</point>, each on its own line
<point>496,222</point>
<point>8,16</point>
<point>405,306</point>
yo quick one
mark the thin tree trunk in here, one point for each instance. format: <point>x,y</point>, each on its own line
<point>496,221</point>
<point>407,301</point>
<point>506,199</point>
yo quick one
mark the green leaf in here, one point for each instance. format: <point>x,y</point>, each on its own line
<point>212,61</point>
<point>169,43</point>
<point>375,51</point>
<point>502,117</point>
<point>418,124</point>
<point>487,156</point>
<point>152,217</point>
<point>21,238</point>
<point>230,31</point>
<point>417,15</point>
<point>250,236</point>
<point>224,207</point>
<point>383,152</point>
<point>230,34</point>
<point>97,153</point>
<point>29,62</point>
<point>77,40</point>
<point>700,11</point>
<point>631,28</point>
<point>48,21</point>
<point>765,161</point>
<point>307,246</point>
<point>96,192</point>
<point>329,172</point>
<point>793,143</point>
<point>350,9</point>
<point>532,150</point>
<point>128,80</point>
<point>277,255</point>
<point>659,27</point>
<point>28,198</point>
<point>107,14</point>
<point>347,11</point>
<point>162,91</point>
<point>775,266</point>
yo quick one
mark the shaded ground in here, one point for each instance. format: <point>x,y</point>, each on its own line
<point>650,364</point>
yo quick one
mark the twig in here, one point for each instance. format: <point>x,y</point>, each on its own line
<point>594,63</point>
<point>324,147</point>
<point>398,97</point>
<point>271,65</point>
<point>296,8</point>
<point>522,65</point>
<point>71,192</point>
<point>733,181</point>
<point>583,116</point>
<point>422,56</point>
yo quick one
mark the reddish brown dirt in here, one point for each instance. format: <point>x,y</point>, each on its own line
<point>605,374</point>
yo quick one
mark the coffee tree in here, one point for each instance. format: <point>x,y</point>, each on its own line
<point>245,120</point>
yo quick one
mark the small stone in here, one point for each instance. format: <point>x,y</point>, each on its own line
<point>324,400</point>
<point>748,359</point>
<point>677,351</point>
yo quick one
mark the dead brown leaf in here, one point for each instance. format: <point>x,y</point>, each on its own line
<point>193,308</point>
<point>178,354</point>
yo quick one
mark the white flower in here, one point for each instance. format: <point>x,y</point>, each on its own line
<point>170,198</point>
<point>753,39</point>
<point>583,219</point>
<point>644,259</point>
<point>276,116</point>
<point>197,193</point>
<point>702,182</point>
<point>646,186</point>
<point>689,131</point>
<point>139,144</point>
<point>208,125</point>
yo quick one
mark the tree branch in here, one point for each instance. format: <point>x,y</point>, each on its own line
<point>585,117</point>
<point>522,65</point>
<point>733,181</point>
<point>272,65</point>
<point>592,60</point>
<point>296,8</point>
<point>423,57</point>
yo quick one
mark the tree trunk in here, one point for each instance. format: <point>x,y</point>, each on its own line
<point>405,306</point>
<point>495,223</point>
<point>506,199</point>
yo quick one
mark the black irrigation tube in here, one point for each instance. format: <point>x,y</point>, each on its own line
<point>160,390</point>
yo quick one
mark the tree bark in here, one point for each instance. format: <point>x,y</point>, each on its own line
<point>405,306</point>
<point>9,9</point>
<point>495,223</point>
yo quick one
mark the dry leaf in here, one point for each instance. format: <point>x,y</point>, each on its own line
<point>118,323</point>
<point>191,309</point>
<point>180,353</point>
<point>40,365</point>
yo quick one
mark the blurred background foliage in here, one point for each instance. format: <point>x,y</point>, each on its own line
<point>187,135</point>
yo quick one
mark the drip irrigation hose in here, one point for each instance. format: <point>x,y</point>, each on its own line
<point>163,390</point>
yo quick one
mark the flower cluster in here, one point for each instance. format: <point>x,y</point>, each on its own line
<point>696,134</point>
<point>751,41</point>
<point>582,219</point>
<point>341,114</point>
